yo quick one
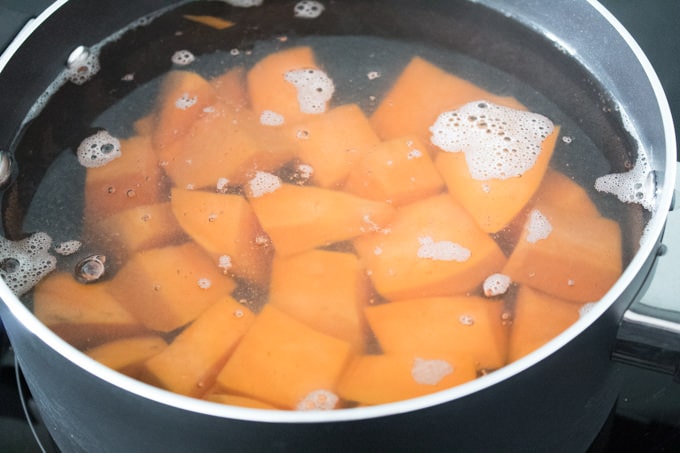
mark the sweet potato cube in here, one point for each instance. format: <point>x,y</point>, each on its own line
<point>83,315</point>
<point>128,354</point>
<point>281,360</point>
<point>567,250</point>
<point>331,143</point>
<point>299,218</point>
<point>268,88</point>
<point>133,179</point>
<point>432,248</point>
<point>463,326</point>
<point>226,227</point>
<point>494,203</point>
<point>191,362</point>
<point>538,318</point>
<point>323,289</point>
<point>421,93</point>
<point>386,378</point>
<point>230,88</point>
<point>236,400</point>
<point>398,171</point>
<point>144,125</point>
<point>169,287</point>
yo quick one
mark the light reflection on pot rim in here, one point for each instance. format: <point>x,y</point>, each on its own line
<point>647,247</point>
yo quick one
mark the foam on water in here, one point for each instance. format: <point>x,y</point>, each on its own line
<point>68,247</point>
<point>24,263</point>
<point>263,183</point>
<point>442,250</point>
<point>318,400</point>
<point>243,3</point>
<point>270,118</point>
<point>496,284</point>
<point>183,57</point>
<point>314,89</point>
<point>538,228</point>
<point>98,150</point>
<point>430,372</point>
<point>308,9</point>
<point>638,185</point>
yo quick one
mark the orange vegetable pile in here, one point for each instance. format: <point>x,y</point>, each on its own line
<point>321,260</point>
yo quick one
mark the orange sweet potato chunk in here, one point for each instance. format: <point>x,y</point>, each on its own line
<point>133,179</point>
<point>397,171</point>
<point>567,250</point>
<point>421,93</point>
<point>386,378</point>
<point>538,318</point>
<point>325,290</point>
<point>225,226</point>
<point>190,363</point>
<point>331,143</point>
<point>281,360</point>
<point>299,218</point>
<point>494,203</point>
<point>432,248</point>
<point>230,88</point>
<point>128,354</point>
<point>439,327</point>
<point>166,288</point>
<point>83,315</point>
<point>236,400</point>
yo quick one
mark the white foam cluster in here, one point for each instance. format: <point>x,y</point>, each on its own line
<point>24,263</point>
<point>304,171</point>
<point>498,142</point>
<point>314,89</point>
<point>263,183</point>
<point>414,154</point>
<point>442,250</point>
<point>222,185</point>
<point>430,372</point>
<point>186,101</point>
<point>67,248</point>
<point>318,400</point>
<point>224,263</point>
<point>585,308</point>
<point>83,64</point>
<point>243,3</point>
<point>308,9</point>
<point>183,57</point>
<point>496,284</point>
<point>98,150</point>
<point>270,118</point>
<point>638,185</point>
<point>204,283</point>
<point>538,227</point>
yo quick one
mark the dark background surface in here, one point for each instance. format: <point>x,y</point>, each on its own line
<point>647,417</point>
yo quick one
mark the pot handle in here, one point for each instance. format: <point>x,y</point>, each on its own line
<point>649,334</point>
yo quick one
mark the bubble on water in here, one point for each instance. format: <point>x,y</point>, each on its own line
<point>638,185</point>
<point>270,118</point>
<point>318,400</point>
<point>466,320</point>
<point>442,250</point>
<point>67,248</point>
<point>308,9</point>
<point>566,139</point>
<point>304,172</point>
<point>585,308</point>
<point>498,142</point>
<point>538,227</point>
<point>496,284</point>
<point>430,372</point>
<point>263,183</point>
<point>414,154</point>
<point>373,75</point>
<point>224,263</point>
<point>98,150</point>
<point>183,57</point>
<point>239,314</point>
<point>314,89</point>
<point>82,64</point>
<point>186,101</point>
<point>90,269</point>
<point>24,263</point>
<point>204,283</point>
<point>243,3</point>
<point>222,185</point>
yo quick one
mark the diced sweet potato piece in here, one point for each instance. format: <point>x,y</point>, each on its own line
<point>169,287</point>
<point>567,250</point>
<point>225,226</point>
<point>230,88</point>
<point>538,318</point>
<point>133,179</point>
<point>191,362</point>
<point>386,378</point>
<point>299,218</point>
<point>331,143</point>
<point>281,360</point>
<point>464,326</point>
<point>421,93</point>
<point>83,315</point>
<point>236,400</point>
<point>211,21</point>
<point>494,203</point>
<point>432,248</point>
<point>325,290</point>
<point>144,125</point>
<point>268,88</point>
<point>398,171</point>
<point>128,354</point>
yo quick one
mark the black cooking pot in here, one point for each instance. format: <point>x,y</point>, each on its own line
<point>555,399</point>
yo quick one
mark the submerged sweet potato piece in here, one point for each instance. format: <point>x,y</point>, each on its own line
<point>331,143</point>
<point>386,378</point>
<point>325,290</point>
<point>226,227</point>
<point>169,287</point>
<point>190,363</point>
<point>230,88</point>
<point>421,93</point>
<point>439,327</point>
<point>397,171</point>
<point>494,203</point>
<point>538,318</point>
<point>281,360</point>
<point>299,218</point>
<point>128,354</point>
<point>83,315</point>
<point>236,400</point>
<point>432,248</point>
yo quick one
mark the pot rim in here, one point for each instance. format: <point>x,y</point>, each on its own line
<point>647,247</point>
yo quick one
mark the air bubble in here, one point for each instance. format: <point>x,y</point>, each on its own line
<point>466,320</point>
<point>308,9</point>
<point>204,283</point>
<point>82,64</point>
<point>90,269</point>
<point>183,57</point>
